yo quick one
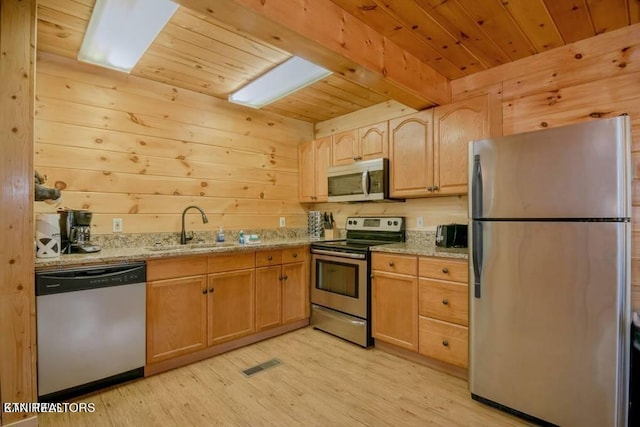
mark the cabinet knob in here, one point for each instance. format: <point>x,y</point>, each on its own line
<point>372,276</point>
<point>295,255</point>
<point>430,188</point>
<point>280,278</point>
<point>391,264</point>
<point>445,343</point>
<point>204,291</point>
<point>211,290</point>
<point>445,301</point>
<point>436,188</point>
<point>285,277</point>
<point>269,258</point>
<point>445,270</point>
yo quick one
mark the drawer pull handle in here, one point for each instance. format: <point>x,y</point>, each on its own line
<point>270,258</point>
<point>445,343</point>
<point>295,255</point>
<point>391,264</point>
<point>445,301</point>
<point>445,270</point>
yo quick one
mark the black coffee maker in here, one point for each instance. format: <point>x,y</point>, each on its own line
<point>75,231</point>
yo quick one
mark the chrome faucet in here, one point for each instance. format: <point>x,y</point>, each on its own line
<point>183,234</point>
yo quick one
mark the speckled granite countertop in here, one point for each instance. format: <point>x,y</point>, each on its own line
<point>415,248</point>
<point>129,254</point>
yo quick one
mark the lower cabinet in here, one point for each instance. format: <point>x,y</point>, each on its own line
<point>176,308</point>
<point>421,304</point>
<point>196,302</point>
<point>282,282</point>
<point>231,305</point>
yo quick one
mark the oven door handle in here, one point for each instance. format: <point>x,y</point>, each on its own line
<point>338,254</point>
<point>365,183</point>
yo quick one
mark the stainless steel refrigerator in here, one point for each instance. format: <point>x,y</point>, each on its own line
<point>550,272</point>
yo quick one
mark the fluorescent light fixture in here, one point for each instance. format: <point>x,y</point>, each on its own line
<point>286,78</point>
<point>120,31</point>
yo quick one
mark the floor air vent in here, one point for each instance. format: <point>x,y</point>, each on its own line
<point>261,367</point>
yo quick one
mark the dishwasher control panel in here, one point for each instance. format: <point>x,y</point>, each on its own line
<point>95,276</point>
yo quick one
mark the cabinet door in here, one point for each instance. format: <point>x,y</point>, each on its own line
<point>411,155</point>
<point>374,141</point>
<point>306,172</point>
<point>295,292</point>
<point>322,162</point>
<point>268,297</point>
<point>395,309</point>
<point>231,305</point>
<point>454,126</point>
<point>345,149</point>
<point>176,317</point>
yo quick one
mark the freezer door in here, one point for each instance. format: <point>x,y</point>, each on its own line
<point>576,171</point>
<point>547,329</point>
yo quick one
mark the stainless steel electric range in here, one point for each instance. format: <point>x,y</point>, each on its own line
<point>340,277</point>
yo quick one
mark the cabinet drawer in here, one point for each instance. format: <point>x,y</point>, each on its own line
<point>295,254</point>
<point>444,341</point>
<point>158,269</point>
<point>395,263</point>
<point>267,258</point>
<point>445,269</point>
<point>230,262</point>
<point>448,301</point>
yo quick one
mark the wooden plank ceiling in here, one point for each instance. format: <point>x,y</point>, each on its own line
<point>454,37</point>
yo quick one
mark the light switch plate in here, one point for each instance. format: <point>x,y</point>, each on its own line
<point>117,225</point>
<point>283,222</point>
<point>420,222</point>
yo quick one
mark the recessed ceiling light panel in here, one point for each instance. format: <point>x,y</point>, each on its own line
<point>120,31</point>
<point>286,78</point>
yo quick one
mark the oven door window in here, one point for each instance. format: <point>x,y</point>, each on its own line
<point>338,278</point>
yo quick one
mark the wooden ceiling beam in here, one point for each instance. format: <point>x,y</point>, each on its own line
<point>322,32</point>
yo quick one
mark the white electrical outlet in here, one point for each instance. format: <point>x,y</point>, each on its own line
<point>117,225</point>
<point>420,222</point>
<point>283,222</point>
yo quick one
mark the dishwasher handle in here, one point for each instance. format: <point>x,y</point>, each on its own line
<point>92,277</point>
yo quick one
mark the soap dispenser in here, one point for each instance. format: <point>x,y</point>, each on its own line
<point>220,236</point>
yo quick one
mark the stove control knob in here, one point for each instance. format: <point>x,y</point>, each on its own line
<point>395,222</point>
<point>389,222</point>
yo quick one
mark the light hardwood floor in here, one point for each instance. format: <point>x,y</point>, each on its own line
<point>322,381</point>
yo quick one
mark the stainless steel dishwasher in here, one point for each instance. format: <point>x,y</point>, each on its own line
<point>91,328</point>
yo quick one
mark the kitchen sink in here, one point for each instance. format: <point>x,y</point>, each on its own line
<point>190,246</point>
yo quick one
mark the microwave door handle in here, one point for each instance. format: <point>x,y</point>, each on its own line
<point>365,183</point>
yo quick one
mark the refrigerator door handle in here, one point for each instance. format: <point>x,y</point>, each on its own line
<point>477,257</point>
<point>476,188</point>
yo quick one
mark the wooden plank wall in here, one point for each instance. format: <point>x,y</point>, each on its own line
<point>126,147</point>
<point>17,294</point>
<point>597,77</point>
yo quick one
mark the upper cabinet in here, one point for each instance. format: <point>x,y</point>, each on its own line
<point>411,154</point>
<point>454,126</point>
<point>314,159</point>
<point>366,143</point>
<point>428,150</point>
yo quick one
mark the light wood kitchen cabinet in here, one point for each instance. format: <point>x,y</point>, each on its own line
<point>444,310</point>
<point>411,155</point>
<point>428,150</point>
<point>231,305</point>
<point>176,307</point>
<point>365,143</point>
<point>281,287</point>
<point>231,296</point>
<point>395,300</point>
<point>314,159</point>
<point>454,126</point>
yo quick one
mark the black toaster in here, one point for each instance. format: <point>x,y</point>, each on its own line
<point>451,236</point>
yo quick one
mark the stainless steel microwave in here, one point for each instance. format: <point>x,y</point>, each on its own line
<point>359,182</point>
